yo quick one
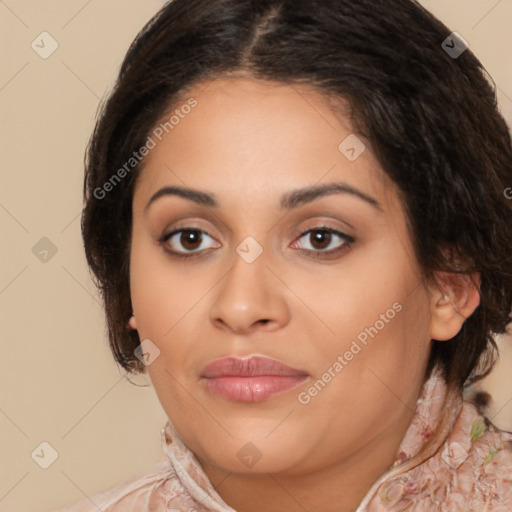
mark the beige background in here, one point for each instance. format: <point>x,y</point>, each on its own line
<point>59,383</point>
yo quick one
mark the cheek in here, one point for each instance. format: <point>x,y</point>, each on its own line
<point>372,371</point>
<point>162,291</point>
<point>364,295</point>
<point>168,305</point>
<point>384,346</point>
<point>378,313</point>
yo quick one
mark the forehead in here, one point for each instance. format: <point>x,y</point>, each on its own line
<point>256,137</point>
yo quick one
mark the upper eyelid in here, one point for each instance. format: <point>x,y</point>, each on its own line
<point>319,255</point>
<point>320,225</point>
<point>297,234</point>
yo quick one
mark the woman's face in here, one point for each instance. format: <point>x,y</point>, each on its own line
<point>346,309</point>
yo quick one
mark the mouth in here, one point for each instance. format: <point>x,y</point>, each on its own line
<point>252,379</point>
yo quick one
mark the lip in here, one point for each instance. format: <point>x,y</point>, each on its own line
<point>252,379</point>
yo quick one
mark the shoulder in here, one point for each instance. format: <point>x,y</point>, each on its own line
<point>135,493</point>
<point>480,452</point>
<point>476,444</point>
<point>470,472</point>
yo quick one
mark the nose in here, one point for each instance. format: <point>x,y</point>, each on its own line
<point>250,297</point>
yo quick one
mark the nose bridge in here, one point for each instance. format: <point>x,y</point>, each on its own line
<point>247,295</point>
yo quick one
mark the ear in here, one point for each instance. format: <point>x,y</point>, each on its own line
<point>453,300</point>
<point>132,322</point>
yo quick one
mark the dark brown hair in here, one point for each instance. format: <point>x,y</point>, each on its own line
<point>431,119</point>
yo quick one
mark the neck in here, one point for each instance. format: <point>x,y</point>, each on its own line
<point>337,488</point>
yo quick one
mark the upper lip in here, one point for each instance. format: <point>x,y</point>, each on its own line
<point>248,367</point>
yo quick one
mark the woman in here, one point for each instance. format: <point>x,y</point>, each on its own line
<point>295,212</point>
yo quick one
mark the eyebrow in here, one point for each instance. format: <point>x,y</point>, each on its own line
<point>288,201</point>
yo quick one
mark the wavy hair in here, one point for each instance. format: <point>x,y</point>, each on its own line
<point>431,120</point>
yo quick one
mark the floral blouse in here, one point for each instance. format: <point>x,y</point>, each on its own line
<point>466,466</point>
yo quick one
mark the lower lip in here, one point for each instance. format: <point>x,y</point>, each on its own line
<point>252,389</point>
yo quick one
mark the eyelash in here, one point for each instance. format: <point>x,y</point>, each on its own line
<point>317,254</point>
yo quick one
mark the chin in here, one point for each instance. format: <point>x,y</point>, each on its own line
<point>251,450</point>
<point>251,459</point>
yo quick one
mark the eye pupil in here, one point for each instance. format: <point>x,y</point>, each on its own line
<point>190,237</point>
<point>321,237</point>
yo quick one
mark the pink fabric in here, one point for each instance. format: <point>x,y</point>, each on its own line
<point>465,468</point>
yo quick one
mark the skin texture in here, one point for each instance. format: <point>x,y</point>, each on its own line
<point>248,142</point>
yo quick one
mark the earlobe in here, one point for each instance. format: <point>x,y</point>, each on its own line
<point>132,323</point>
<point>453,301</point>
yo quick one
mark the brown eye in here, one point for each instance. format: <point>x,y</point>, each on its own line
<point>185,242</point>
<point>190,238</point>
<point>322,239</point>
